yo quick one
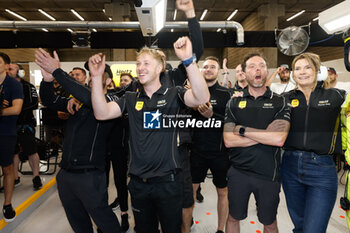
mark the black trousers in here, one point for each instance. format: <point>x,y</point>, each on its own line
<point>117,154</point>
<point>84,195</point>
<point>155,201</point>
<point>119,159</point>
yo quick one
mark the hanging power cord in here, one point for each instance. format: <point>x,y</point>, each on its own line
<point>320,41</point>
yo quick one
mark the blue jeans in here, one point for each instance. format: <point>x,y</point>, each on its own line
<point>310,184</point>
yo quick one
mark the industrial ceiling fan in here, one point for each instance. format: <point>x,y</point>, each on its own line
<point>292,40</point>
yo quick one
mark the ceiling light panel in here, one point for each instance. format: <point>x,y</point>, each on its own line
<point>232,14</point>
<point>77,14</point>
<point>203,14</point>
<point>296,15</point>
<point>46,14</point>
<point>15,14</point>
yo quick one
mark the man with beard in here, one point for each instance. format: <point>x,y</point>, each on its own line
<point>79,74</point>
<point>256,126</point>
<point>208,151</point>
<point>285,85</point>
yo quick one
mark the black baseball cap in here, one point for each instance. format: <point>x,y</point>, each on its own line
<point>107,69</point>
<point>331,69</point>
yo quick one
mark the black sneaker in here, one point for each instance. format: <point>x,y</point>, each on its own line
<point>37,183</point>
<point>125,223</point>
<point>9,213</point>
<point>17,182</point>
<point>219,232</point>
<point>200,197</point>
<point>115,204</point>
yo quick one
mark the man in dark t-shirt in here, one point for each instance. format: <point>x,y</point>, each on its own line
<point>156,184</point>
<point>11,93</point>
<point>208,150</point>
<point>256,126</point>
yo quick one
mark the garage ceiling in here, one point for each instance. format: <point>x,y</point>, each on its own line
<point>218,10</point>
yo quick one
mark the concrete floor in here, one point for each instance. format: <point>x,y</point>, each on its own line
<point>50,216</point>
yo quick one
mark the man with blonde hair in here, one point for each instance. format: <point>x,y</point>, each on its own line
<point>155,172</point>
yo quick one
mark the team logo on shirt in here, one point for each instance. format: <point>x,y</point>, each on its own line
<point>295,103</point>
<point>324,103</point>
<point>151,120</point>
<point>268,105</point>
<point>242,104</point>
<point>161,103</point>
<point>139,105</point>
<point>213,102</point>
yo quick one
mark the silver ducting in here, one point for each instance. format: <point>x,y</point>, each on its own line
<point>121,25</point>
<point>212,25</point>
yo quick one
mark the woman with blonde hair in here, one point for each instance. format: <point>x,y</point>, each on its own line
<point>309,175</point>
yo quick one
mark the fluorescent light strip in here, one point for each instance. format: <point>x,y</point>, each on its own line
<point>46,14</point>
<point>110,19</point>
<point>45,30</point>
<point>70,30</point>
<point>76,14</point>
<point>338,23</point>
<point>315,18</point>
<point>94,30</point>
<point>160,16</point>
<point>104,11</point>
<point>15,14</point>
<point>219,29</point>
<point>203,14</point>
<point>175,13</point>
<point>296,15</point>
<point>232,14</point>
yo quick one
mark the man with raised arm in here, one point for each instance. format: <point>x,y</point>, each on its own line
<point>81,182</point>
<point>155,175</point>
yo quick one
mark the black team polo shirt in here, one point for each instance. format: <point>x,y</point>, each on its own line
<point>209,141</point>
<point>153,148</point>
<point>259,160</point>
<point>314,125</point>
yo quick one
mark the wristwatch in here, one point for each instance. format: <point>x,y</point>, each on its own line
<point>242,131</point>
<point>190,60</point>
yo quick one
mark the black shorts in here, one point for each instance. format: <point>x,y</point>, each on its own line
<point>7,145</point>
<point>217,165</point>
<point>266,194</point>
<point>26,143</point>
<point>186,171</point>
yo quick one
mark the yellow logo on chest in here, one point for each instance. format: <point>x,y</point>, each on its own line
<point>139,105</point>
<point>295,103</point>
<point>242,104</point>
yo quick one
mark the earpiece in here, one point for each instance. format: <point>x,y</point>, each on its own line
<point>21,73</point>
<point>322,73</point>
